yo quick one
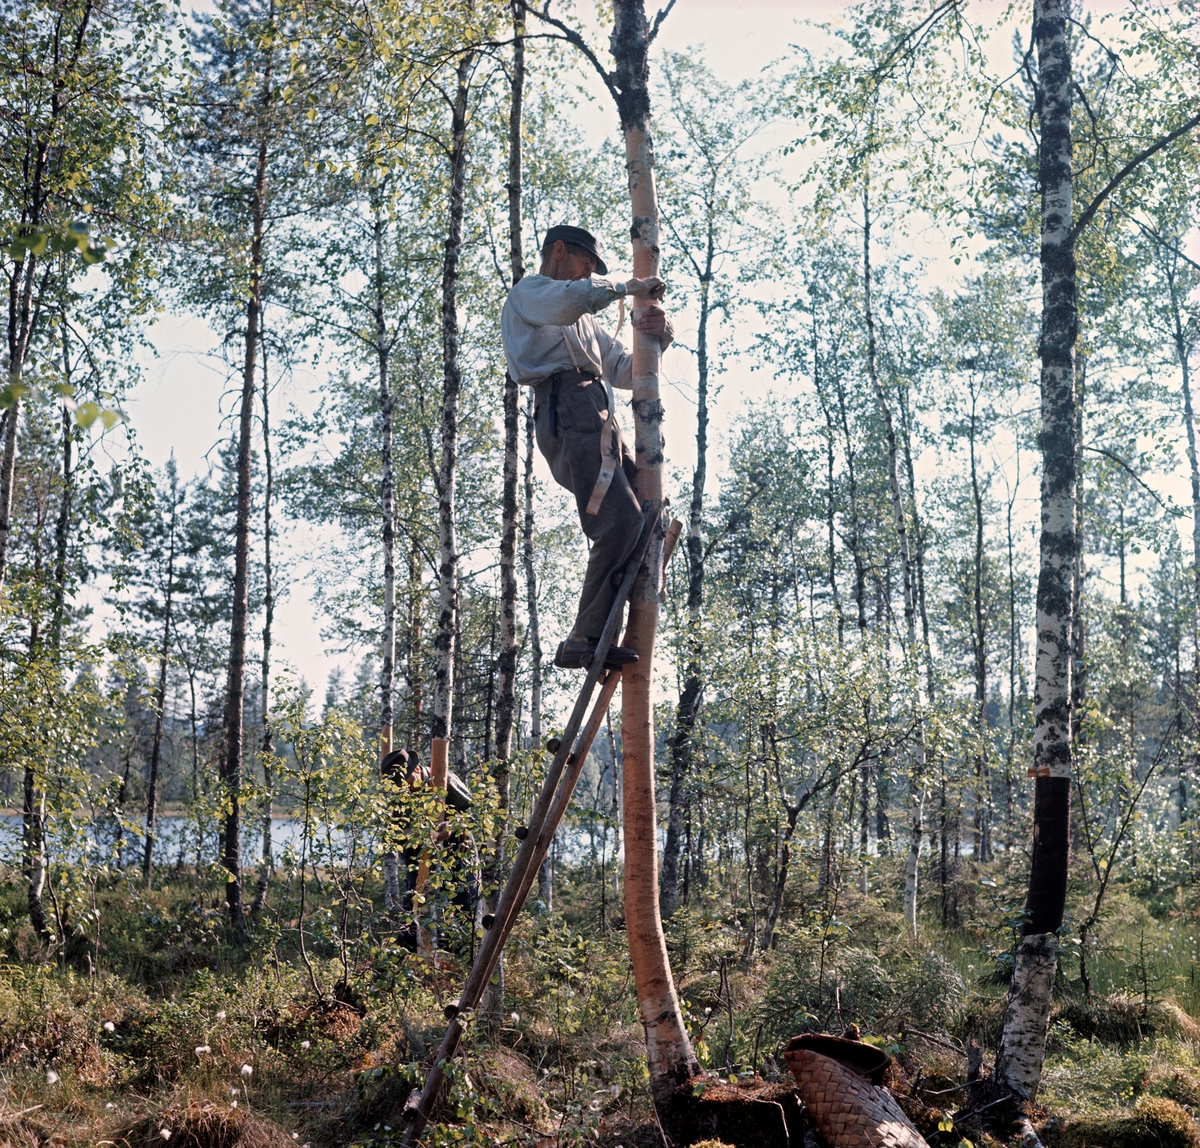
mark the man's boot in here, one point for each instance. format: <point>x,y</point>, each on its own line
<point>577,654</point>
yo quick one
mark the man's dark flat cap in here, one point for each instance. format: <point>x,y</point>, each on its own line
<point>578,238</point>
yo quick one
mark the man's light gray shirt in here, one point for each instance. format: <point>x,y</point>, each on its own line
<point>548,325</point>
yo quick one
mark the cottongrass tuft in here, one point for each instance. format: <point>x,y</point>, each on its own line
<point>221,1015</point>
<point>306,1044</point>
<point>201,1049</point>
<point>200,1123</point>
<point>165,1133</point>
<point>109,1026</point>
<point>247,1070</point>
<point>51,1076</point>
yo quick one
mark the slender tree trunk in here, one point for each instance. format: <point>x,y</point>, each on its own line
<point>231,771</point>
<point>447,478</point>
<point>22,319</point>
<point>267,749</point>
<point>1009,779</point>
<point>831,492</point>
<point>691,697</point>
<point>1183,354</point>
<point>1023,1037</point>
<point>982,812</point>
<point>908,589</point>
<point>860,570</point>
<point>415,671</point>
<point>493,1001</point>
<point>387,507</point>
<point>62,528</point>
<point>33,815</point>
<point>160,700</point>
<point>531,591</point>
<point>667,1044</point>
<point>507,694</point>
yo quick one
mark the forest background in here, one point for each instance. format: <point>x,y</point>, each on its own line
<point>844,683</point>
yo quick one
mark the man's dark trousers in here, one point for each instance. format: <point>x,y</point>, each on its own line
<point>574,433</point>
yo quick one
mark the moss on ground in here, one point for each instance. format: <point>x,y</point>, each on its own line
<point>1154,1123</point>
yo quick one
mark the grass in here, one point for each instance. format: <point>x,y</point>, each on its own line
<point>150,1026</point>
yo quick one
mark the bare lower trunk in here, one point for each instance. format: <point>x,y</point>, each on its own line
<point>900,516</point>
<point>1183,350</point>
<point>493,999</point>
<point>531,592</point>
<point>506,693</point>
<point>33,813</point>
<point>387,508</point>
<point>668,1047</point>
<point>443,691</point>
<point>160,703</point>
<point>683,741</point>
<point>1023,1040</point>
<point>231,766</point>
<point>267,748</point>
<point>22,319</point>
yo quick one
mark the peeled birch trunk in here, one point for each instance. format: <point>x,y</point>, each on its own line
<point>668,1047</point>
<point>1026,1016</point>
<point>443,688</point>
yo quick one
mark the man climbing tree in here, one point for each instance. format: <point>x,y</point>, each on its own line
<point>553,343</point>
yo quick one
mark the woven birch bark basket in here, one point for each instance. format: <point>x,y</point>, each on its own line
<point>849,1110</point>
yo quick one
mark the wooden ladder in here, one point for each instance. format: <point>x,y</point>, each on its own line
<point>569,756</point>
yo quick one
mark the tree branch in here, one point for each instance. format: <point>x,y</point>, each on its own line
<point>663,13</point>
<point>1131,166</point>
<point>572,37</point>
<point>1113,457</point>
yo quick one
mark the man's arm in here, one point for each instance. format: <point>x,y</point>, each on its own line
<point>540,301</point>
<point>618,362</point>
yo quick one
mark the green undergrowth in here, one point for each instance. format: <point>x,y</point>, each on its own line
<point>155,1020</point>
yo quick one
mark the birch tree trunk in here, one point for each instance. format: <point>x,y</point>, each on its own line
<point>443,688</point>
<point>507,691</point>
<point>668,1047</point>
<point>160,700</point>
<point>387,508</point>
<point>1023,1036</point>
